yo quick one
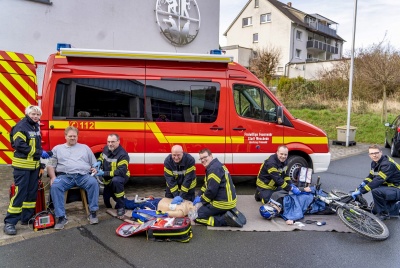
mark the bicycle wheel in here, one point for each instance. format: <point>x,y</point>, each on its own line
<point>360,199</point>
<point>363,223</point>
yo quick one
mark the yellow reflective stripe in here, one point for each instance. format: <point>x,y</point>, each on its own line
<point>269,186</point>
<point>123,162</point>
<point>118,195</point>
<point>184,189</point>
<point>174,189</point>
<point>215,177</point>
<point>28,204</point>
<point>367,188</point>
<point>195,139</point>
<point>273,169</point>
<point>382,175</point>
<point>25,163</point>
<point>305,140</point>
<point>394,162</point>
<point>19,135</point>
<point>192,168</point>
<point>224,204</point>
<point>193,184</point>
<point>32,143</point>
<point>209,221</point>
<point>169,172</point>
<point>228,185</point>
<point>208,200</point>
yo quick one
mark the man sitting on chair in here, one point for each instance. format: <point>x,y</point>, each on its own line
<point>72,162</point>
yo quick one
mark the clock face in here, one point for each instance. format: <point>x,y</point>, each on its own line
<point>179,20</point>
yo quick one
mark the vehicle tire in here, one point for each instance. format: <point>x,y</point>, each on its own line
<point>393,151</point>
<point>295,163</point>
<point>363,223</point>
<point>386,144</point>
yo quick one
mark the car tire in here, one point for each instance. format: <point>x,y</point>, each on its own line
<point>393,151</point>
<point>294,163</point>
<point>387,145</point>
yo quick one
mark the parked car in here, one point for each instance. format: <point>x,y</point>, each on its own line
<point>392,137</point>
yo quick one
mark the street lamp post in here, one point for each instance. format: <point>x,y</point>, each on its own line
<point>351,74</point>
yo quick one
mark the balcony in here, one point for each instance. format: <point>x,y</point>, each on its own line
<point>322,28</point>
<point>321,46</point>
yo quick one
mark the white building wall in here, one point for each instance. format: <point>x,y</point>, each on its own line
<point>277,33</point>
<point>309,70</point>
<point>35,28</point>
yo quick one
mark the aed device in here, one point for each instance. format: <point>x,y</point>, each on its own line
<point>43,220</point>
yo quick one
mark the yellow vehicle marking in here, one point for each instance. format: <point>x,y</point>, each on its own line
<point>305,140</point>
<point>161,138</point>
<point>9,69</point>
<point>9,103</point>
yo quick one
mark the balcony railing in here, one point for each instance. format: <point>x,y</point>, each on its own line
<point>322,28</point>
<point>318,45</point>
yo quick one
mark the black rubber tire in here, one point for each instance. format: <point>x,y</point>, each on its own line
<point>295,162</point>
<point>363,223</point>
<point>386,144</point>
<point>393,151</point>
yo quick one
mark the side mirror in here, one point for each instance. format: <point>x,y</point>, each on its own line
<point>279,115</point>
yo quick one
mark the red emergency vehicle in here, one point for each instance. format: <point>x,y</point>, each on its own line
<point>156,100</point>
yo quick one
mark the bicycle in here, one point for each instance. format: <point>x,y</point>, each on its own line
<point>354,214</point>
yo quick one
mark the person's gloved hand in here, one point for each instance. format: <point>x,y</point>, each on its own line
<point>196,200</point>
<point>100,172</point>
<point>97,164</point>
<point>45,155</point>
<point>295,190</point>
<point>177,200</point>
<point>354,194</point>
<point>361,185</point>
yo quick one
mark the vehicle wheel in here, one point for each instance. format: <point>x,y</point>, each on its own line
<point>386,144</point>
<point>393,151</point>
<point>295,163</point>
<point>363,223</point>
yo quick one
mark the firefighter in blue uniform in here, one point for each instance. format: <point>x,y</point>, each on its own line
<point>273,176</point>
<point>26,141</point>
<point>180,174</point>
<point>217,198</point>
<point>383,181</point>
<point>114,161</point>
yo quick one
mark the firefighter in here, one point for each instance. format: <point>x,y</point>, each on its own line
<point>114,161</point>
<point>180,175</point>
<point>383,181</point>
<point>26,141</point>
<point>273,176</point>
<point>216,202</point>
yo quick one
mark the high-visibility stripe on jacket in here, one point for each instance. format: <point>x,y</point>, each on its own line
<point>114,163</point>
<point>385,172</point>
<point>218,188</point>
<point>26,140</point>
<point>180,177</point>
<point>273,174</point>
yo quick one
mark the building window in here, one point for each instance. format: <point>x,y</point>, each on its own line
<point>298,35</point>
<point>247,22</point>
<point>255,38</point>
<point>298,53</point>
<point>264,18</point>
<point>256,3</point>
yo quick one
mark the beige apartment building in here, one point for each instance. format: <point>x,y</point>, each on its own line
<point>307,42</point>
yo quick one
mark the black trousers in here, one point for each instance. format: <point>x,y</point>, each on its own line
<point>23,203</point>
<point>115,190</point>
<point>385,200</point>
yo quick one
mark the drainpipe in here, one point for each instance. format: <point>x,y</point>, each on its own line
<point>287,64</point>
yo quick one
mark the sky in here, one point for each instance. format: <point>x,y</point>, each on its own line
<point>375,18</point>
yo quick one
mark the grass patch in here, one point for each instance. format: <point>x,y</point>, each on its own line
<point>369,126</point>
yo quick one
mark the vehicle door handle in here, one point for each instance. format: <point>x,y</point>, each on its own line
<point>216,128</point>
<point>239,128</point>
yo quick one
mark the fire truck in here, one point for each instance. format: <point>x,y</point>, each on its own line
<point>154,101</point>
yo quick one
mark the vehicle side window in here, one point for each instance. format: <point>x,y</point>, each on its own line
<point>181,101</point>
<point>100,98</point>
<point>252,102</point>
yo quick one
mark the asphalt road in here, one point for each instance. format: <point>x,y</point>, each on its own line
<point>98,246</point>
